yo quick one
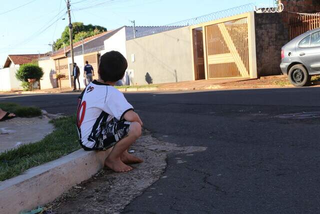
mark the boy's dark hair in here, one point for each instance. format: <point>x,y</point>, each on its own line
<point>112,66</point>
<point>87,62</point>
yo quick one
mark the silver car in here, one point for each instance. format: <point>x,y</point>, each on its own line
<point>300,58</point>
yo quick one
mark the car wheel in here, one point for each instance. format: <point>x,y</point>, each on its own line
<point>298,76</point>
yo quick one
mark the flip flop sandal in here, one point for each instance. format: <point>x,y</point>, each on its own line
<point>7,117</point>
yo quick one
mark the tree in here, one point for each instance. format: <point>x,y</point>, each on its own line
<point>80,31</point>
<point>28,74</point>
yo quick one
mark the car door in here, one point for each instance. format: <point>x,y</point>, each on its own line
<point>309,54</point>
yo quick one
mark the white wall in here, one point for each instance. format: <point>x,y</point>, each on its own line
<point>116,42</point>
<point>80,64</point>
<point>48,67</point>
<point>8,80</point>
<point>15,83</point>
<point>5,83</point>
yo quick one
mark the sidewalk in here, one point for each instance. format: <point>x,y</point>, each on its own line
<point>19,131</point>
<point>277,81</point>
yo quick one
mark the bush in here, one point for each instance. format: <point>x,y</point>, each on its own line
<point>27,73</point>
<point>26,86</point>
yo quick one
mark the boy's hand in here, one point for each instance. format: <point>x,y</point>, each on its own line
<point>131,116</point>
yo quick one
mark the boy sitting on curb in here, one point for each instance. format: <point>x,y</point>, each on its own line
<point>105,119</point>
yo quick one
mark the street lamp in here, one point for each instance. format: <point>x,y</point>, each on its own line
<point>52,46</point>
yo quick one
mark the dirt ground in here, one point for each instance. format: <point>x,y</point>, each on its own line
<point>264,82</point>
<point>109,192</point>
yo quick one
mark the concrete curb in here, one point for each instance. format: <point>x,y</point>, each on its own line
<point>41,185</point>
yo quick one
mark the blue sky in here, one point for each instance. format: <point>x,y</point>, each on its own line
<point>29,26</point>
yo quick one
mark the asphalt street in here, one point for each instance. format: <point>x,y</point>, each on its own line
<point>262,156</point>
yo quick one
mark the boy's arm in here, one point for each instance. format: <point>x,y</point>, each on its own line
<point>131,116</point>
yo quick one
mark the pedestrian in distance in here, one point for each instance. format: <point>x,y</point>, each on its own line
<point>105,119</point>
<point>76,74</point>
<point>88,73</point>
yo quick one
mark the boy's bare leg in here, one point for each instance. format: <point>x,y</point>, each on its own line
<point>130,159</point>
<point>113,161</point>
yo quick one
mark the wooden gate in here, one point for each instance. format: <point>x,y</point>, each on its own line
<point>300,23</point>
<point>227,49</point>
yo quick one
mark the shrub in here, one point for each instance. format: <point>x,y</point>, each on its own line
<point>27,73</point>
<point>26,86</point>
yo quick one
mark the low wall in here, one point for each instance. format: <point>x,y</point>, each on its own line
<point>301,6</point>
<point>161,58</point>
<point>271,34</point>
<point>5,84</point>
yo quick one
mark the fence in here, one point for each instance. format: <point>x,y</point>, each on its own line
<point>201,19</point>
<point>302,22</point>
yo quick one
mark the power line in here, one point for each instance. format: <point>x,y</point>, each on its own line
<point>98,4</point>
<point>17,7</point>
<point>77,2</point>
<point>55,28</point>
<point>38,33</point>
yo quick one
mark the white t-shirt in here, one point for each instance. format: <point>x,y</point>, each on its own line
<point>99,102</point>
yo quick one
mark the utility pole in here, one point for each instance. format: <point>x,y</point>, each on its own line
<point>134,28</point>
<point>71,41</point>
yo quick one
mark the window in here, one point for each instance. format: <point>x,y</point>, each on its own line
<point>305,42</point>
<point>315,39</point>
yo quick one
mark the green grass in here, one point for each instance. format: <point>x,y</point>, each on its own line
<point>137,86</point>
<point>282,83</point>
<point>315,78</point>
<point>61,142</point>
<point>21,111</point>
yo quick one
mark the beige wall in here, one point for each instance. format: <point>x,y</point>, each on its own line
<point>166,57</point>
<point>48,79</point>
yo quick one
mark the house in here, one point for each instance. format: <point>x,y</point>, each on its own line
<point>8,80</point>
<point>219,45</point>
<point>89,49</point>
<point>85,50</point>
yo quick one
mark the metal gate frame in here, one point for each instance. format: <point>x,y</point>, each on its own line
<point>300,23</point>
<point>251,45</point>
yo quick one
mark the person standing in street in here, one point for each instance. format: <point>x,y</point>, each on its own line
<point>76,74</point>
<point>88,72</point>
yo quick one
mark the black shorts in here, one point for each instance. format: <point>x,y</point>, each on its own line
<point>109,134</point>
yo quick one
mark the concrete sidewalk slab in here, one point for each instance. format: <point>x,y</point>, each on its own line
<point>19,131</point>
<point>42,184</point>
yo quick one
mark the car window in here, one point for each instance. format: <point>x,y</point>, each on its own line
<point>315,39</point>
<point>305,42</point>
